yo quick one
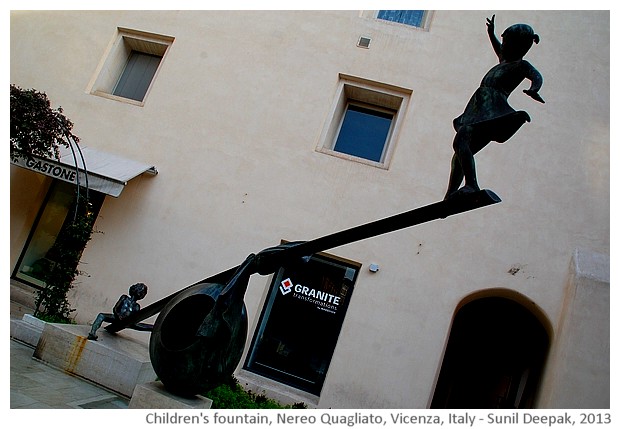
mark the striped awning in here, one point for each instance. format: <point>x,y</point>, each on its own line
<point>106,172</point>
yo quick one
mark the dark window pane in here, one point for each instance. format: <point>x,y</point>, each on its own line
<point>299,327</point>
<point>137,76</point>
<point>364,133</point>
<point>50,225</point>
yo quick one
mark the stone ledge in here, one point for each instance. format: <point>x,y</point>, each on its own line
<point>27,330</point>
<point>591,265</point>
<point>153,395</point>
<point>118,362</point>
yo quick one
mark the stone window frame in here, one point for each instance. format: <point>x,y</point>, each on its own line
<point>114,60</point>
<point>381,96</point>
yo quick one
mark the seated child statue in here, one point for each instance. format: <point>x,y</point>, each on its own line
<point>126,306</point>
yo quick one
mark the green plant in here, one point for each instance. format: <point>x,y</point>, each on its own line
<point>230,395</point>
<point>54,319</point>
<point>39,130</point>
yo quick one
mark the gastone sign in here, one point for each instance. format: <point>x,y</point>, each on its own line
<point>49,168</point>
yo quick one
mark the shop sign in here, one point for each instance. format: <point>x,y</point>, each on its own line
<point>322,300</point>
<point>49,168</point>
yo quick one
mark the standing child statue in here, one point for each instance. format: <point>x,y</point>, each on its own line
<point>124,307</point>
<point>488,116</point>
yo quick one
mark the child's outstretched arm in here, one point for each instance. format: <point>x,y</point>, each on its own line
<point>537,81</point>
<point>497,46</point>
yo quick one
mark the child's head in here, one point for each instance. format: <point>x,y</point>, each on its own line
<point>138,290</point>
<point>517,40</point>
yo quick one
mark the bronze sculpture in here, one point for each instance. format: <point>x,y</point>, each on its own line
<point>200,333</point>
<point>124,307</point>
<point>488,116</point>
<point>199,337</point>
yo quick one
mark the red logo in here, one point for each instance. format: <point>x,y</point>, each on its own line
<point>286,286</point>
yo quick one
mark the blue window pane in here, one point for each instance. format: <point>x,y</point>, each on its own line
<point>364,133</point>
<point>409,17</point>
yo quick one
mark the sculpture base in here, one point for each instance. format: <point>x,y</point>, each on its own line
<point>28,329</point>
<point>117,362</point>
<point>154,395</point>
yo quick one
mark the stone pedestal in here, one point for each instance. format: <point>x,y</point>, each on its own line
<point>154,395</point>
<point>28,329</point>
<point>118,362</point>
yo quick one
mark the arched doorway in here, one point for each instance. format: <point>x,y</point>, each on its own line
<point>494,358</point>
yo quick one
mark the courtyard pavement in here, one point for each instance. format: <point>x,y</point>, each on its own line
<point>37,385</point>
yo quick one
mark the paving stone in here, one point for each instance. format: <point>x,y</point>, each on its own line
<point>35,385</point>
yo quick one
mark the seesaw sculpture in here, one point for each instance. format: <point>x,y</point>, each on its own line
<point>199,335</point>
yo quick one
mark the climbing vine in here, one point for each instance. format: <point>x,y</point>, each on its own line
<point>51,303</point>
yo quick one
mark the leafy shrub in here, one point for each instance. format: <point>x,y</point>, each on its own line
<point>36,128</point>
<point>230,395</point>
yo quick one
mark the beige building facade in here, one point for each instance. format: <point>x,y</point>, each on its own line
<point>240,116</point>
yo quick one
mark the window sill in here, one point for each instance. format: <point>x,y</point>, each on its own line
<point>380,165</point>
<point>117,98</point>
<point>278,391</point>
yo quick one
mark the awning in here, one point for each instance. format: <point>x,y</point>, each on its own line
<point>107,173</point>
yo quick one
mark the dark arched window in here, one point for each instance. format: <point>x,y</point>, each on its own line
<point>494,358</point>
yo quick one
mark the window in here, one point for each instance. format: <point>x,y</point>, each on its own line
<point>55,216</point>
<point>130,65</point>
<point>415,18</point>
<point>365,121</point>
<point>300,323</point>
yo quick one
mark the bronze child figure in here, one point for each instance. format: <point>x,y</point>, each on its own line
<point>124,307</point>
<point>488,116</point>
